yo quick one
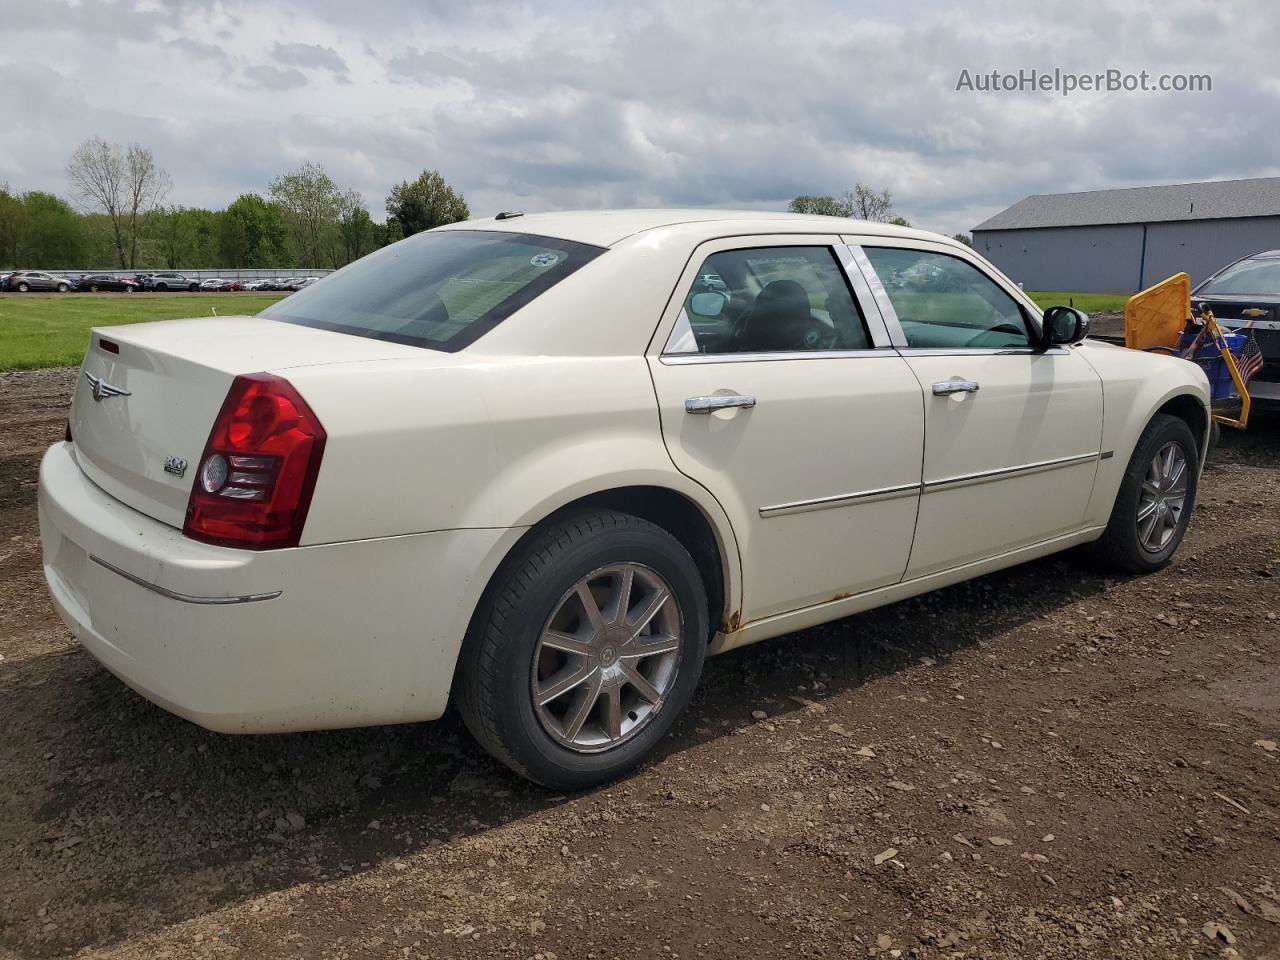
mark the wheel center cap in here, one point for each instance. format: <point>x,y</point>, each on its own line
<point>608,655</point>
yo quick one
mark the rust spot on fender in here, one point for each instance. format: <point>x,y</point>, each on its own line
<point>840,596</point>
<point>731,623</point>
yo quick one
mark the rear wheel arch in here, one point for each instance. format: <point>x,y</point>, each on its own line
<point>673,511</point>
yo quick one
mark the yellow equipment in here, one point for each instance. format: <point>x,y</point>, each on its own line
<point>1155,319</point>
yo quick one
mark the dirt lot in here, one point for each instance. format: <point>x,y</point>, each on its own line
<point>1041,763</point>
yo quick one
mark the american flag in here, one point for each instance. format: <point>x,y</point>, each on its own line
<point>1250,360</point>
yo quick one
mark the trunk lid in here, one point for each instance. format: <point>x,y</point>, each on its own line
<point>148,394</point>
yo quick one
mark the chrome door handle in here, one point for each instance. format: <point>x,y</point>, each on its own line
<point>954,386</point>
<point>722,402</point>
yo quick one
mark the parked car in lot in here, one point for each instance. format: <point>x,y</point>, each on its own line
<point>168,281</point>
<point>260,284</point>
<point>1245,296</point>
<point>96,282</point>
<point>25,280</point>
<point>212,284</point>
<point>535,465</point>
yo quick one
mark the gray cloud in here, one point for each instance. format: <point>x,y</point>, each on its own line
<point>546,106</point>
<point>273,78</point>
<point>309,56</point>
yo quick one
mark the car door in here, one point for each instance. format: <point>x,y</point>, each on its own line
<point>788,404</point>
<point>1012,431</point>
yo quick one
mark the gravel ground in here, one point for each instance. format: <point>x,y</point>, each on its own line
<point>1040,763</point>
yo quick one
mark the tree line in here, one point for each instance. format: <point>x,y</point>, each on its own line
<point>860,203</point>
<point>118,215</point>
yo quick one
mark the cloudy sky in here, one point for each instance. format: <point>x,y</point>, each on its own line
<point>559,105</point>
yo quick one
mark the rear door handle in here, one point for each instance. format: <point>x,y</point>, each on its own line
<point>719,402</point>
<point>947,387</point>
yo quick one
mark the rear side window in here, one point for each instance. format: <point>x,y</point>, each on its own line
<point>944,302</point>
<point>770,300</point>
<point>437,290</point>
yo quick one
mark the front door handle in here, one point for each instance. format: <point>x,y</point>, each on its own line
<point>719,402</point>
<point>947,387</point>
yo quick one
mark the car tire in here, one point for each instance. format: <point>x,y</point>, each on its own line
<point>23,288</point>
<point>1148,487</point>
<point>161,286</point>
<point>63,288</point>
<point>93,288</point>
<point>193,287</point>
<point>128,288</point>
<point>504,657</point>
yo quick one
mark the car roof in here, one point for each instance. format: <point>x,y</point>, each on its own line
<point>604,228</point>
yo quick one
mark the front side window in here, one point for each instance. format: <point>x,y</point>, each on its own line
<point>440,290</point>
<point>944,302</point>
<point>769,300</point>
<point>1248,278</point>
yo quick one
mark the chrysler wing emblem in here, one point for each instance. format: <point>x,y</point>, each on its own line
<point>1253,312</point>
<point>102,389</point>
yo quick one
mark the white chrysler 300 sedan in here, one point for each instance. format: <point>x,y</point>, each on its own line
<point>545,464</point>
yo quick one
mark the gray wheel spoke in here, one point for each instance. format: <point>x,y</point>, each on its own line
<point>586,698</point>
<point>612,711</point>
<point>656,602</point>
<point>1147,509</point>
<point>564,681</point>
<point>566,643</point>
<point>650,646</point>
<point>1147,527</point>
<point>622,595</point>
<point>590,609</point>
<point>641,683</point>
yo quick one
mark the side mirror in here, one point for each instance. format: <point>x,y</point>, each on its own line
<point>708,304</point>
<point>1063,325</point>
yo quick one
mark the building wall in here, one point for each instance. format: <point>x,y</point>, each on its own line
<point>1201,247</point>
<point>1100,259</point>
<point>1111,258</point>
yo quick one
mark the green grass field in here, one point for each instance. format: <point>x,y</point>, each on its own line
<point>1088,302</point>
<point>53,331</point>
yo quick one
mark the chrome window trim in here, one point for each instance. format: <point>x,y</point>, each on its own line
<point>879,294</point>
<point>681,337</point>
<point>184,597</point>
<point>979,351</point>
<point>839,500</point>
<point>985,476</point>
<point>863,298</point>
<point>677,359</point>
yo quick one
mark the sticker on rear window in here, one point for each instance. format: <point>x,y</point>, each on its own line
<point>545,259</point>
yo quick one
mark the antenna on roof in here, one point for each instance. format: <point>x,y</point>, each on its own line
<point>509,214</point>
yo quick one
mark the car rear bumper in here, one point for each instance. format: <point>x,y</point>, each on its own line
<point>334,635</point>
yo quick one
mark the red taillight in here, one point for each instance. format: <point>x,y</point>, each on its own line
<point>257,473</point>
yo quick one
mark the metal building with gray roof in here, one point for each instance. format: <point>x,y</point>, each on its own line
<point>1120,241</point>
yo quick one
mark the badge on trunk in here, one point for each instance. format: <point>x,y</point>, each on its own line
<point>101,389</point>
<point>175,465</point>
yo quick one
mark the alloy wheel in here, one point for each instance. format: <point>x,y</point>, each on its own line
<point>607,657</point>
<point>1163,498</point>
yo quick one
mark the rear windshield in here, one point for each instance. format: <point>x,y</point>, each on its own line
<point>440,290</point>
<point>1248,278</point>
